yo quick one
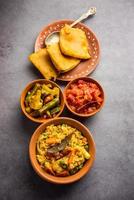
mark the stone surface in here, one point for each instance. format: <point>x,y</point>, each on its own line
<point>112,177</point>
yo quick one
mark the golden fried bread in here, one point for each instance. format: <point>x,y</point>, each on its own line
<point>73,42</point>
<point>61,62</point>
<point>42,62</point>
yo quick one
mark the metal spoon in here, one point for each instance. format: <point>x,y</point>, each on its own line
<point>54,37</point>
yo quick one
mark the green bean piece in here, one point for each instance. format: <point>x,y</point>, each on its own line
<point>48,113</point>
<point>55,110</point>
<point>27,99</point>
<point>31,93</point>
<point>49,105</point>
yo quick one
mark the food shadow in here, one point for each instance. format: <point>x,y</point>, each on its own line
<point>27,125</point>
<point>46,190</point>
<point>83,120</point>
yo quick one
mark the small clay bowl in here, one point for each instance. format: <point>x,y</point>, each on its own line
<point>28,87</point>
<point>88,80</point>
<point>61,180</point>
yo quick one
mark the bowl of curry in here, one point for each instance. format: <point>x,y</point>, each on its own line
<point>42,100</point>
<point>84,96</point>
<point>62,150</point>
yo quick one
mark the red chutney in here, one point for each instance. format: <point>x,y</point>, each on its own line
<point>84,97</point>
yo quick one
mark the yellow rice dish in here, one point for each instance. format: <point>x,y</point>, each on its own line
<point>62,150</point>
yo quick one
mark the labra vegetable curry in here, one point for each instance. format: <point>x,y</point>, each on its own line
<point>62,150</point>
<point>43,101</point>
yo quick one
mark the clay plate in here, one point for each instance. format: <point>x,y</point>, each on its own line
<point>88,80</point>
<point>24,93</point>
<point>85,67</point>
<point>61,180</point>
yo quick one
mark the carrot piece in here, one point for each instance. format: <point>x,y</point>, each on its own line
<point>63,173</point>
<point>71,157</point>
<point>51,140</point>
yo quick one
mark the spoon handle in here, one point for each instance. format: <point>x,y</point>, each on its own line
<point>91,11</point>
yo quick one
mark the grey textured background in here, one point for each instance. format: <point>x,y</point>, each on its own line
<point>112,177</point>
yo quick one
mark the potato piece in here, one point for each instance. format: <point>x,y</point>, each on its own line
<point>36,101</point>
<point>62,63</point>
<point>53,140</point>
<point>73,42</point>
<point>42,62</point>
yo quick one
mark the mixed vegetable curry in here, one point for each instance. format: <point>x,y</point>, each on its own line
<point>62,150</point>
<point>43,100</point>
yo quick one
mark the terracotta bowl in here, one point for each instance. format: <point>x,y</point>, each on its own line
<point>89,80</point>
<point>61,180</point>
<point>28,87</point>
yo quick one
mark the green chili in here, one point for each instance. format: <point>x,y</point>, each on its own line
<point>55,110</point>
<point>49,105</point>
